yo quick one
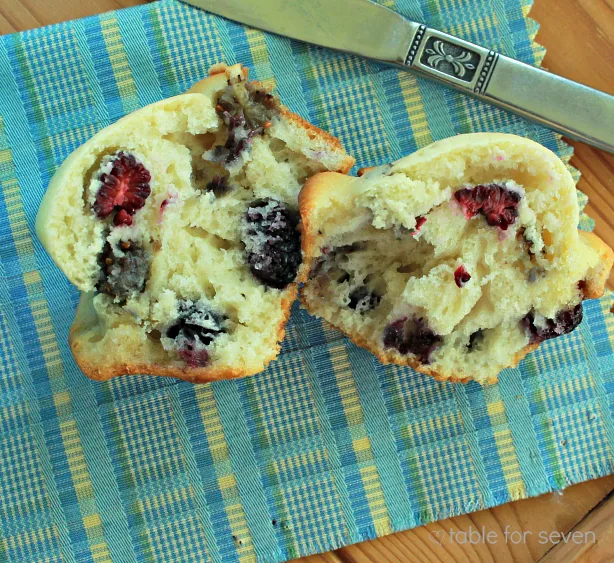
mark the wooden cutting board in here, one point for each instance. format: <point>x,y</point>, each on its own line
<point>577,524</point>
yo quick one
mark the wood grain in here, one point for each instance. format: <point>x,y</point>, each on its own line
<point>529,522</point>
<point>518,531</point>
<point>19,15</point>
<point>597,183</point>
<point>591,540</point>
<point>579,35</point>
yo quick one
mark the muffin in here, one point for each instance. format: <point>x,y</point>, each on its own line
<point>457,260</point>
<point>180,225</point>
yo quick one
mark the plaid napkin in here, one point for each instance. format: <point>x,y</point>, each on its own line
<point>325,448</point>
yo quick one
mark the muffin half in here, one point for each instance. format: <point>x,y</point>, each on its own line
<point>457,260</point>
<point>180,225</point>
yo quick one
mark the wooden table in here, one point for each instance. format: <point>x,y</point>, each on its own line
<point>579,35</point>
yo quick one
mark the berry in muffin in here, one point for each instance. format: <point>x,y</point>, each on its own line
<point>180,225</point>
<point>457,260</point>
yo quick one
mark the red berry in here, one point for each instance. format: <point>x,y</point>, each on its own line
<point>122,217</point>
<point>125,187</point>
<point>419,222</point>
<point>461,276</point>
<point>496,203</point>
<point>193,356</point>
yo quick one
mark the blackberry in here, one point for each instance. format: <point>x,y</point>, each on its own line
<point>564,322</point>
<point>412,336</point>
<point>247,112</point>
<point>239,139</point>
<point>122,276</point>
<point>256,106</point>
<point>272,242</point>
<point>195,328</point>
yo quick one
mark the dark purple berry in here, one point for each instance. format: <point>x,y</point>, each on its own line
<point>394,332</point>
<point>496,203</point>
<point>245,119</point>
<point>122,276</point>
<point>362,299</point>
<point>412,336</point>
<point>239,138</point>
<point>257,108</point>
<point>273,243</point>
<point>195,328</point>
<point>564,322</point>
<point>218,185</point>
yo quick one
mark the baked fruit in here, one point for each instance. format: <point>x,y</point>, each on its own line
<point>180,225</point>
<point>457,260</point>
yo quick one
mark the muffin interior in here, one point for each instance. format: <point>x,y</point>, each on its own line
<point>183,226</point>
<point>457,261</point>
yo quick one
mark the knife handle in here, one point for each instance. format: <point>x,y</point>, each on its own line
<point>570,108</point>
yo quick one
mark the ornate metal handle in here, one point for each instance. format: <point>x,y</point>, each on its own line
<point>568,107</point>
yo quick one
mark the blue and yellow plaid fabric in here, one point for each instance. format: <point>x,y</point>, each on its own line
<point>325,448</point>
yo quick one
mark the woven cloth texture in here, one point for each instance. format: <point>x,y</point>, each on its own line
<point>326,447</point>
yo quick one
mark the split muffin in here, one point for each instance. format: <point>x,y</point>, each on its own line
<point>180,225</point>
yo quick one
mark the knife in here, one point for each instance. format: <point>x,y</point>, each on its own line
<point>364,28</point>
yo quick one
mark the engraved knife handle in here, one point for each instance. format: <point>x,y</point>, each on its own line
<point>570,108</point>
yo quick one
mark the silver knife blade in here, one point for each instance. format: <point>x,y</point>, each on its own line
<point>364,28</point>
<point>319,22</point>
